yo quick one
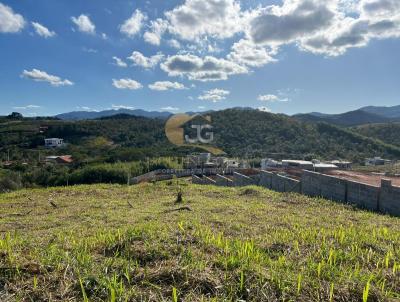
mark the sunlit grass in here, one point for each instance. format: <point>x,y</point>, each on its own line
<point>236,244</point>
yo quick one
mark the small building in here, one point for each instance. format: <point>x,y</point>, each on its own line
<point>376,161</point>
<point>269,163</point>
<point>231,164</point>
<point>323,167</point>
<point>62,159</point>
<point>53,142</point>
<point>298,164</point>
<point>342,164</point>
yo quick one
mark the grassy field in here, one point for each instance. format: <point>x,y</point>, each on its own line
<point>119,243</point>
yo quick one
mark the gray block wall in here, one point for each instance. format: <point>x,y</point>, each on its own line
<point>326,186</point>
<point>279,183</point>
<point>363,195</point>
<point>240,180</point>
<point>385,199</point>
<point>266,179</point>
<point>197,180</point>
<point>223,181</point>
<point>389,201</point>
<point>208,180</point>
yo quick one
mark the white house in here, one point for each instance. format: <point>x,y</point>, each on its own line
<point>269,163</point>
<point>53,142</point>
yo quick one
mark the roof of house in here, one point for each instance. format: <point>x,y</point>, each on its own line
<point>298,162</point>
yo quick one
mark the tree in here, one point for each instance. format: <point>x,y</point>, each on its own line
<point>15,116</point>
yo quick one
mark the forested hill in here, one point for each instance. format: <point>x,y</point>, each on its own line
<point>387,132</point>
<point>257,133</point>
<point>242,133</point>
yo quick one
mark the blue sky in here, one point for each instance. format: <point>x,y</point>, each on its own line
<point>284,56</point>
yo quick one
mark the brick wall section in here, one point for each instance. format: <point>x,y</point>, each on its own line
<point>223,181</point>
<point>329,187</point>
<point>390,198</point>
<point>240,180</point>
<point>363,195</point>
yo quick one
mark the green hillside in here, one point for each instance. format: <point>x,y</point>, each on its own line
<point>237,132</point>
<point>262,134</point>
<point>388,133</point>
<point>115,243</point>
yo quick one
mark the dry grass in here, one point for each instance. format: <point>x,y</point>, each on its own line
<point>118,243</point>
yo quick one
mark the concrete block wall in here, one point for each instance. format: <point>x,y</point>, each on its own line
<point>389,201</point>
<point>197,180</point>
<point>385,199</point>
<point>208,181</point>
<point>240,180</point>
<point>285,184</point>
<point>363,195</point>
<point>223,181</point>
<point>279,183</point>
<point>326,186</point>
<point>266,179</point>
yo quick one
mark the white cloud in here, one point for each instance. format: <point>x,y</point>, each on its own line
<point>169,108</point>
<point>293,20</point>
<point>202,69</point>
<point>375,20</point>
<point>213,18</point>
<point>157,29</point>
<point>89,50</point>
<point>42,30</point>
<point>174,44</point>
<point>247,53</point>
<point>104,36</point>
<point>42,76</point>
<point>10,22</point>
<point>268,98</point>
<point>84,24</point>
<point>328,27</point>
<point>119,62</point>
<point>214,95</point>
<point>86,108</point>
<point>27,107</point>
<point>264,109</point>
<point>127,84</point>
<point>133,25</point>
<point>166,85</point>
<point>117,107</point>
<point>139,59</point>
<point>272,98</point>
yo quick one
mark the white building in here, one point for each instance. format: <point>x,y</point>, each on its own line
<point>53,142</point>
<point>269,163</point>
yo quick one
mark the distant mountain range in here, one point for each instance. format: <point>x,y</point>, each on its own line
<point>90,115</point>
<point>362,116</point>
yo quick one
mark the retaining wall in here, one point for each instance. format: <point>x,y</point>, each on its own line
<point>363,195</point>
<point>326,186</point>
<point>223,181</point>
<point>389,201</point>
<point>279,183</point>
<point>197,180</point>
<point>240,180</point>
<point>208,180</point>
